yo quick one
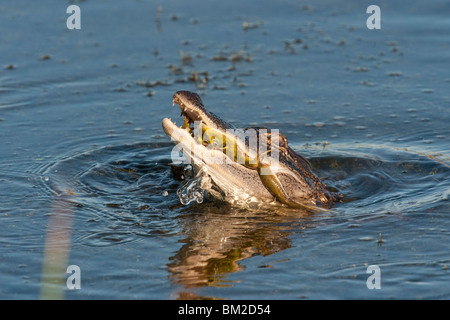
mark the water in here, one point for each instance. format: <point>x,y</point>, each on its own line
<point>85,170</point>
<point>193,189</point>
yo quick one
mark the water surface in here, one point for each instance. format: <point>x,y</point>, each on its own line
<point>85,170</point>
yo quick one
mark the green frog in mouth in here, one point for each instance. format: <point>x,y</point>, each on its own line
<point>251,162</point>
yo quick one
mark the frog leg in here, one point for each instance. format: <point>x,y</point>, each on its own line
<point>273,184</point>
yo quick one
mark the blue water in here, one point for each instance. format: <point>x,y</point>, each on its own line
<point>85,169</point>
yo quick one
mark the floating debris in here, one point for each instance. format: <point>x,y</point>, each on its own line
<point>289,47</point>
<point>380,241</point>
<point>220,57</point>
<point>199,78</point>
<point>247,26</point>
<point>394,74</point>
<point>45,57</point>
<point>149,84</point>
<point>240,56</point>
<point>361,69</point>
<point>174,69</point>
<point>186,59</point>
<point>367,83</point>
<point>318,124</point>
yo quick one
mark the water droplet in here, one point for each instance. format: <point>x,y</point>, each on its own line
<point>191,190</point>
<point>165,193</point>
<point>46,179</point>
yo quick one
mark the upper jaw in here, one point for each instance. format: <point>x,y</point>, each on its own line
<point>191,106</point>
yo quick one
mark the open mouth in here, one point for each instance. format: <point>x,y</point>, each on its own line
<point>208,130</point>
<point>188,123</point>
<point>204,127</point>
<point>190,105</point>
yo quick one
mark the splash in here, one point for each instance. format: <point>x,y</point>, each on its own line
<point>193,189</point>
<point>196,188</point>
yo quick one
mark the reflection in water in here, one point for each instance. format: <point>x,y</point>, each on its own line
<point>219,236</point>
